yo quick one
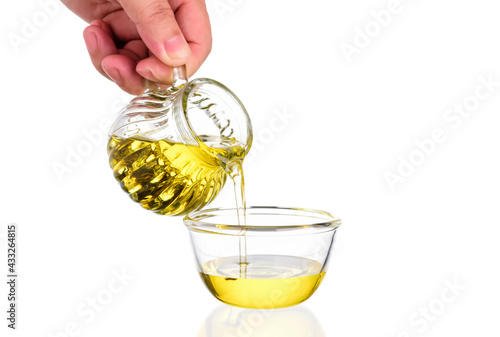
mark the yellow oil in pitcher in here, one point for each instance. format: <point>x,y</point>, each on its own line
<point>172,178</point>
<point>271,281</point>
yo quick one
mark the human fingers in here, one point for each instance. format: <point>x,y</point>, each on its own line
<point>157,26</point>
<point>115,64</point>
<point>99,41</point>
<point>155,70</point>
<point>121,70</point>
<point>193,20</point>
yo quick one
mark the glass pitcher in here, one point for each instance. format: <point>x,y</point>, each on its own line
<point>172,150</point>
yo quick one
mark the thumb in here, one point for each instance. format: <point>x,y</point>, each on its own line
<point>158,28</point>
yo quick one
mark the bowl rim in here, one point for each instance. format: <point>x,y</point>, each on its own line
<point>328,223</point>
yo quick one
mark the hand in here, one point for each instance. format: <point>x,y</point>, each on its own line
<point>133,40</point>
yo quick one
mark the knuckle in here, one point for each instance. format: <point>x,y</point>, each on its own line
<point>157,12</point>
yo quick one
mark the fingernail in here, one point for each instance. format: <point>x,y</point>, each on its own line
<point>177,48</point>
<point>114,74</point>
<point>90,42</point>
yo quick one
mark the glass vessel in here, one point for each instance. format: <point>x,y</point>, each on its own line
<point>171,150</point>
<point>277,259</point>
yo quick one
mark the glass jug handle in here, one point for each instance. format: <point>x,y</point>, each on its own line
<point>180,76</point>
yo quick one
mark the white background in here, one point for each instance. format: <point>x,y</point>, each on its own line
<point>351,123</point>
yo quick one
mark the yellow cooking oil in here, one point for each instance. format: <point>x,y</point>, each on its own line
<point>172,178</point>
<point>270,281</point>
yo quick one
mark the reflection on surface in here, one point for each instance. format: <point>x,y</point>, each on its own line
<point>226,321</point>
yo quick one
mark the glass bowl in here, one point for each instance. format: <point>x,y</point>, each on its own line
<point>276,260</point>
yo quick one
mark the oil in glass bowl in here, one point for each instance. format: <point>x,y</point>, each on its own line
<point>267,281</point>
